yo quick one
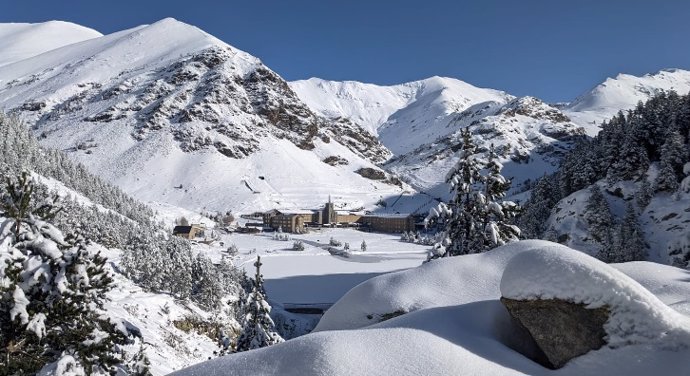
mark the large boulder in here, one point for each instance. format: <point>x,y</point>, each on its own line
<point>562,330</point>
<point>572,303</point>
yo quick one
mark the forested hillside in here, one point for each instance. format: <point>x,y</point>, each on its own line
<point>622,195</point>
<point>54,209</point>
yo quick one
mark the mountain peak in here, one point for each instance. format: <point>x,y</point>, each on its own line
<point>19,41</point>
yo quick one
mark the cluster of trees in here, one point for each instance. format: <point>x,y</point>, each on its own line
<point>476,218</point>
<point>656,133</point>
<point>418,238</point>
<point>167,265</point>
<point>621,241</point>
<point>151,258</point>
<point>116,223</point>
<point>52,293</point>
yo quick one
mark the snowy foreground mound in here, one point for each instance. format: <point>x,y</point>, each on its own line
<point>456,325</point>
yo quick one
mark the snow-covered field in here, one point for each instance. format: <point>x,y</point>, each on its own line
<point>309,277</point>
<point>314,275</point>
<point>456,325</point>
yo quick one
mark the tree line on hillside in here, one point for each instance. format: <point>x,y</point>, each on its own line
<point>44,272</point>
<point>654,134</point>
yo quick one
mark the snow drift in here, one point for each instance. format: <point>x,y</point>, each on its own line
<point>456,325</point>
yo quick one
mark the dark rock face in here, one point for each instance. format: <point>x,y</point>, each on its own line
<point>561,329</point>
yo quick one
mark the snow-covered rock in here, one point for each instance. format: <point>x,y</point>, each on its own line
<point>636,316</point>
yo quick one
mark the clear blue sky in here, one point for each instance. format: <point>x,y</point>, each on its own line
<point>553,49</point>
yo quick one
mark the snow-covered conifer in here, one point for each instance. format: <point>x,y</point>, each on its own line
<point>258,329</point>
<point>52,292</point>
<point>599,218</point>
<point>475,219</point>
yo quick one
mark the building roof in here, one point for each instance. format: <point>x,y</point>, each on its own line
<point>291,212</point>
<point>388,215</point>
<point>182,230</point>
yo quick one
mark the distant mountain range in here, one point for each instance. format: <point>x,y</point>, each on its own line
<point>172,114</point>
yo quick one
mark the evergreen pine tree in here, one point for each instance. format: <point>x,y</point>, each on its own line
<point>258,329</point>
<point>363,246</point>
<point>674,154</point>
<point>644,194</point>
<point>536,212</point>
<point>631,237</point>
<point>599,219</point>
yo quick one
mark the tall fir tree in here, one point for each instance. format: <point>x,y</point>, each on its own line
<point>599,219</point>
<point>258,329</point>
<point>536,212</point>
<point>475,219</point>
<point>673,155</point>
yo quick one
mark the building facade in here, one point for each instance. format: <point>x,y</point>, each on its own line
<point>296,221</point>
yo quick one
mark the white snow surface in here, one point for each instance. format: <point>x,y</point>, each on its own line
<point>663,221</point>
<point>19,41</point>
<point>456,325</point>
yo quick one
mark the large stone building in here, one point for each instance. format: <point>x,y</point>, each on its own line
<point>288,220</point>
<point>296,221</point>
<point>388,222</point>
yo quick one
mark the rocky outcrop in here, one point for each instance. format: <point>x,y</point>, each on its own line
<point>561,329</point>
<point>214,98</point>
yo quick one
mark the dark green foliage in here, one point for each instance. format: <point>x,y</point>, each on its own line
<point>599,218</point>
<point>536,212</point>
<point>654,134</point>
<point>656,131</point>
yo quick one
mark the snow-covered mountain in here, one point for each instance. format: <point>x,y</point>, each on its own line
<point>403,116</point>
<point>623,93</point>
<point>171,113</point>
<point>528,135</point>
<point>418,121</point>
<point>19,41</point>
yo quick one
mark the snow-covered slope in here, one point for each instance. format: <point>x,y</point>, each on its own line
<point>528,135</point>
<point>622,93</point>
<point>19,41</point>
<point>404,116</point>
<point>451,322</point>
<point>663,221</point>
<point>419,122</point>
<point>173,114</point>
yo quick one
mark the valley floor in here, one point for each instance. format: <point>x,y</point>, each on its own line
<point>309,278</point>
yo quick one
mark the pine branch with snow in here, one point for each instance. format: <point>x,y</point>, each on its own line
<point>52,291</point>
